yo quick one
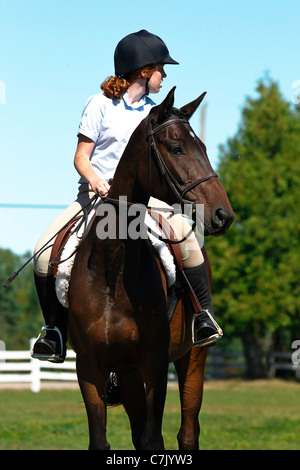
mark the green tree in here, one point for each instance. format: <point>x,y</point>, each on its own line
<point>256,264</point>
<point>20,315</point>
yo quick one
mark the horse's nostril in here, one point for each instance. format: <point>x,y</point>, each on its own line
<point>219,218</point>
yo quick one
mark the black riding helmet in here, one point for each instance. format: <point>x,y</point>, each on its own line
<point>139,49</point>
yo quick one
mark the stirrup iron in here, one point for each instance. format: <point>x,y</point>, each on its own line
<point>210,340</point>
<point>58,358</point>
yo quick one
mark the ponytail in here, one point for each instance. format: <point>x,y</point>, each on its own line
<point>115,87</point>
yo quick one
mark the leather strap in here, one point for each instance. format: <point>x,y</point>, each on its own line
<point>176,252</point>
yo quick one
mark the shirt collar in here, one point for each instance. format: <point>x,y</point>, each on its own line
<point>137,104</point>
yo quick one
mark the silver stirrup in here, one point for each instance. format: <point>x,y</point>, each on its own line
<point>211,339</point>
<point>52,357</point>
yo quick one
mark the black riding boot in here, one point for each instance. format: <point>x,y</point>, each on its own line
<point>205,329</point>
<point>52,346</point>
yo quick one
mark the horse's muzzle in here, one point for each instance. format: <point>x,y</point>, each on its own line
<point>221,219</point>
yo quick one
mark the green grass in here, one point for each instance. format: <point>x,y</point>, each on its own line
<point>235,415</point>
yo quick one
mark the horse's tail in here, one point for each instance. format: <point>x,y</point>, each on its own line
<point>113,391</point>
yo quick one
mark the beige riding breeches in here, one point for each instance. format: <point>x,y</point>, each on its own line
<point>41,260</point>
<point>190,249</point>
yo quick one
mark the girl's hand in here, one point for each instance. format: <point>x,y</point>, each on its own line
<point>99,186</point>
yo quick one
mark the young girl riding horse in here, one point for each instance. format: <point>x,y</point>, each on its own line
<point>108,120</point>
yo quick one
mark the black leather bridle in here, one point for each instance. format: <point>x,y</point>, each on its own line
<point>153,152</point>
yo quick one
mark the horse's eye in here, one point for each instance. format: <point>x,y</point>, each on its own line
<point>176,150</point>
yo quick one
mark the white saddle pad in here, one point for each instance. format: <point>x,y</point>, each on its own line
<point>64,269</point>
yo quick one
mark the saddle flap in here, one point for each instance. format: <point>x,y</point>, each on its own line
<point>60,242</point>
<point>168,233</point>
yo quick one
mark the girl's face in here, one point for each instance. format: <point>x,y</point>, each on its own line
<point>156,79</point>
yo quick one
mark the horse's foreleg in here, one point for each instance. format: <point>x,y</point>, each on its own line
<point>155,373</point>
<point>93,383</point>
<point>133,399</point>
<point>190,371</point>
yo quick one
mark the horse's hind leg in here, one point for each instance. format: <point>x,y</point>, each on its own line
<point>93,383</point>
<point>190,371</point>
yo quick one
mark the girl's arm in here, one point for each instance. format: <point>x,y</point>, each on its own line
<point>83,165</point>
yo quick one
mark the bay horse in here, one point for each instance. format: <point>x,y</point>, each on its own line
<point>117,319</point>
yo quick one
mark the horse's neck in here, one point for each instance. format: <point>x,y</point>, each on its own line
<point>117,257</point>
<point>125,191</point>
<point>125,182</point>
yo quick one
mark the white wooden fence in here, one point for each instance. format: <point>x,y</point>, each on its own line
<point>19,367</point>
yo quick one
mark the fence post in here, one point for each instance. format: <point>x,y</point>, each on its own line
<point>2,348</point>
<point>35,371</point>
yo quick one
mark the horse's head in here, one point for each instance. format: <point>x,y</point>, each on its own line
<point>178,157</point>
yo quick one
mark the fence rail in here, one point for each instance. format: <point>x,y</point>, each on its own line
<point>282,361</point>
<point>19,367</point>
<point>224,365</point>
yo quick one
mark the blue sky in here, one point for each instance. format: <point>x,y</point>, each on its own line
<point>55,54</point>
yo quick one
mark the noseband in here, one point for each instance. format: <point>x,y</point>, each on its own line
<point>178,190</point>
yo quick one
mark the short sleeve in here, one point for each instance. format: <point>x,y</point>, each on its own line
<point>90,124</point>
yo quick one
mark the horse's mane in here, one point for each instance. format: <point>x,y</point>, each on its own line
<point>180,113</point>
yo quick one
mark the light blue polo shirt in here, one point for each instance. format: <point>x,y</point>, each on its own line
<point>110,123</point>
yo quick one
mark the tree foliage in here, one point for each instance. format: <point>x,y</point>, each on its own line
<point>20,315</point>
<point>256,264</point>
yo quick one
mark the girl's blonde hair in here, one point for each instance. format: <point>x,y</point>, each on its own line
<point>114,87</point>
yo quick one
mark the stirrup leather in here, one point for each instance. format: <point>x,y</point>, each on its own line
<point>57,357</point>
<point>210,340</point>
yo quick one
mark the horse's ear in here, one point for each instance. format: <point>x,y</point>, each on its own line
<point>190,108</point>
<point>165,107</point>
